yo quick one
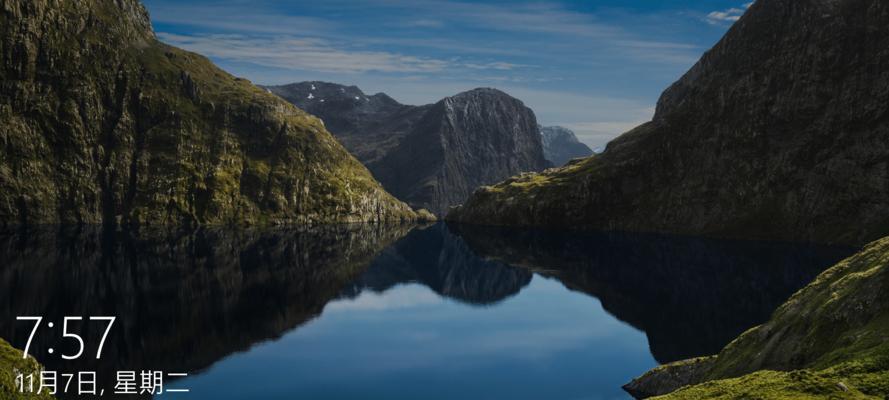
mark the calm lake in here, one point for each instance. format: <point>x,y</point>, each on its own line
<point>375,312</point>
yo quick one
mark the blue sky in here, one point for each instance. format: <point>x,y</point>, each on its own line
<point>596,67</point>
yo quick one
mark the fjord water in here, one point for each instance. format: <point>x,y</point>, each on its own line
<point>376,312</point>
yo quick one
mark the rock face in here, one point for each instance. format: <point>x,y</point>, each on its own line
<point>430,156</point>
<point>102,124</point>
<point>560,145</point>
<point>778,132</point>
<point>835,330</point>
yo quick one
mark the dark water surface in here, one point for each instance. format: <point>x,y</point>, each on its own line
<point>371,312</point>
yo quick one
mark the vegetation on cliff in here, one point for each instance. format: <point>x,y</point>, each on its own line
<point>832,337</point>
<point>103,123</point>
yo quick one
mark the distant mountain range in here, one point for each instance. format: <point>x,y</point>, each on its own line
<point>432,156</point>
<point>560,145</point>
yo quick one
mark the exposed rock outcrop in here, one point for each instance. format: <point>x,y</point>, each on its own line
<point>778,132</point>
<point>104,124</point>
<point>560,145</point>
<point>430,156</point>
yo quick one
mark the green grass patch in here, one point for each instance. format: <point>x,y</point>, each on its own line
<point>12,364</point>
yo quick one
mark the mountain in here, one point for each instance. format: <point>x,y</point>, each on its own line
<point>830,340</point>
<point>430,156</point>
<point>369,126</point>
<point>778,132</point>
<point>560,145</point>
<point>102,123</point>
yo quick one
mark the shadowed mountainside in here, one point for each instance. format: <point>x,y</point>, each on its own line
<point>778,132</point>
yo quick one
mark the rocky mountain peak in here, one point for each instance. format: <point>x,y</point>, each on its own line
<point>551,133</point>
<point>118,19</point>
<point>135,14</point>
<point>560,145</point>
<point>480,93</point>
<point>322,92</point>
<point>431,156</point>
<point>475,138</point>
<point>489,97</point>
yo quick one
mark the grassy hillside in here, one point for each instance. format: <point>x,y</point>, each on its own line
<point>830,338</point>
<point>11,361</point>
<point>103,123</point>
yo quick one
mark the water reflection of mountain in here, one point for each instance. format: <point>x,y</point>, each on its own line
<point>183,300</point>
<point>691,296</point>
<point>440,260</point>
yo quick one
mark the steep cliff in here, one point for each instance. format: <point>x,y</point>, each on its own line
<point>830,340</point>
<point>430,156</point>
<point>560,145</point>
<point>103,123</point>
<point>778,132</point>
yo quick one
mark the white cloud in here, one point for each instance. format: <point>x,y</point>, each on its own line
<point>313,54</point>
<point>551,19</point>
<point>255,40</point>
<point>237,17</point>
<point>424,23</point>
<point>595,119</point>
<point>729,16</point>
<point>499,66</point>
<point>407,296</point>
<point>530,18</point>
<point>596,135</point>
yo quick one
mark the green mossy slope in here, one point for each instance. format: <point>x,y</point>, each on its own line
<point>11,361</point>
<point>103,123</point>
<point>860,379</point>
<point>834,331</point>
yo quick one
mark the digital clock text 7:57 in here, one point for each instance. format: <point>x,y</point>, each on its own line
<point>67,334</point>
